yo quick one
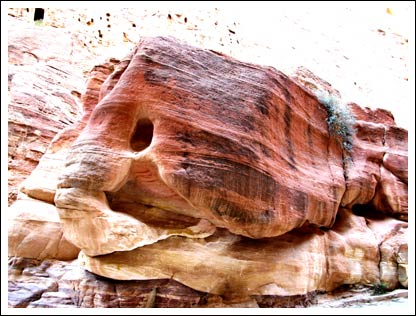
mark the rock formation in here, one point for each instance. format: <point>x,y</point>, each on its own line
<point>221,175</point>
<point>44,85</point>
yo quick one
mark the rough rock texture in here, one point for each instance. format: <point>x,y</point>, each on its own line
<point>377,175</point>
<point>74,36</point>
<point>42,183</point>
<point>228,263</point>
<point>36,232</point>
<point>376,171</point>
<point>258,32</point>
<point>235,156</point>
<point>393,247</point>
<point>36,283</point>
<point>60,284</point>
<point>192,166</point>
<point>44,85</point>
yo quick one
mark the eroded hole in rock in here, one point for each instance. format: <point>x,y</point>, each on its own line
<point>142,136</point>
<point>39,14</point>
<point>367,211</point>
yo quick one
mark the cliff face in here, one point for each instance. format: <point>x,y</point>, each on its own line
<point>74,40</point>
<point>221,175</point>
<point>49,60</point>
<point>43,92</point>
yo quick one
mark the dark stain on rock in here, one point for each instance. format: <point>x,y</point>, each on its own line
<point>310,142</point>
<point>227,209</point>
<point>287,119</point>
<point>219,144</point>
<point>396,135</point>
<point>287,97</point>
<point>309,135</point>
<point>213,173</point>
<point>263,103</point>
<point>149,76</point>
<point>146,59</point>
<point>185,164</point>
<point>265,150</point>
<point>185,137</point>
<point>300,201</point>
<point>156,76</point>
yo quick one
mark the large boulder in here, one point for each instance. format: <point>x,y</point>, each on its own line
<point>222,175</point>
<point>202,135</point>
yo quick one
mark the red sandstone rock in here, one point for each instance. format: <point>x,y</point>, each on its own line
<point>43,90</point>
<point>377,173</point>
<point>43,181</point>
<point>180,141</point>
<point>227,141</point>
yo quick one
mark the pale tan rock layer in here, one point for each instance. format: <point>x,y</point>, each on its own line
<point>35,231</point>
<point>222,175</point>
<point>64,284</point>
<point>296,263</point>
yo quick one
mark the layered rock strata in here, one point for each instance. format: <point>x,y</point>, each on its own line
<point>44,86</point>
<point>192,166</point>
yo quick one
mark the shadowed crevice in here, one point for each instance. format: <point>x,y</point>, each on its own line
<point>142,136</point>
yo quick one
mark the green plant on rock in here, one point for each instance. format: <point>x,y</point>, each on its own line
<point>39,22</point>
<point>340,120</point>
<point>379,288</point>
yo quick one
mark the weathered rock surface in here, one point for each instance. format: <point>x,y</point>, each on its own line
<point>60,284</point>
<point>393,247</point>
<point>35,231</point>
<point>44,85</point>
<point>42,183</point>
<point>226,263</point>
<point>191,166</point>
<point>354,64</point>
<point>238,163</point>
<point>377,175</point>
<point>84,33</point>
<point>376,170</point>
